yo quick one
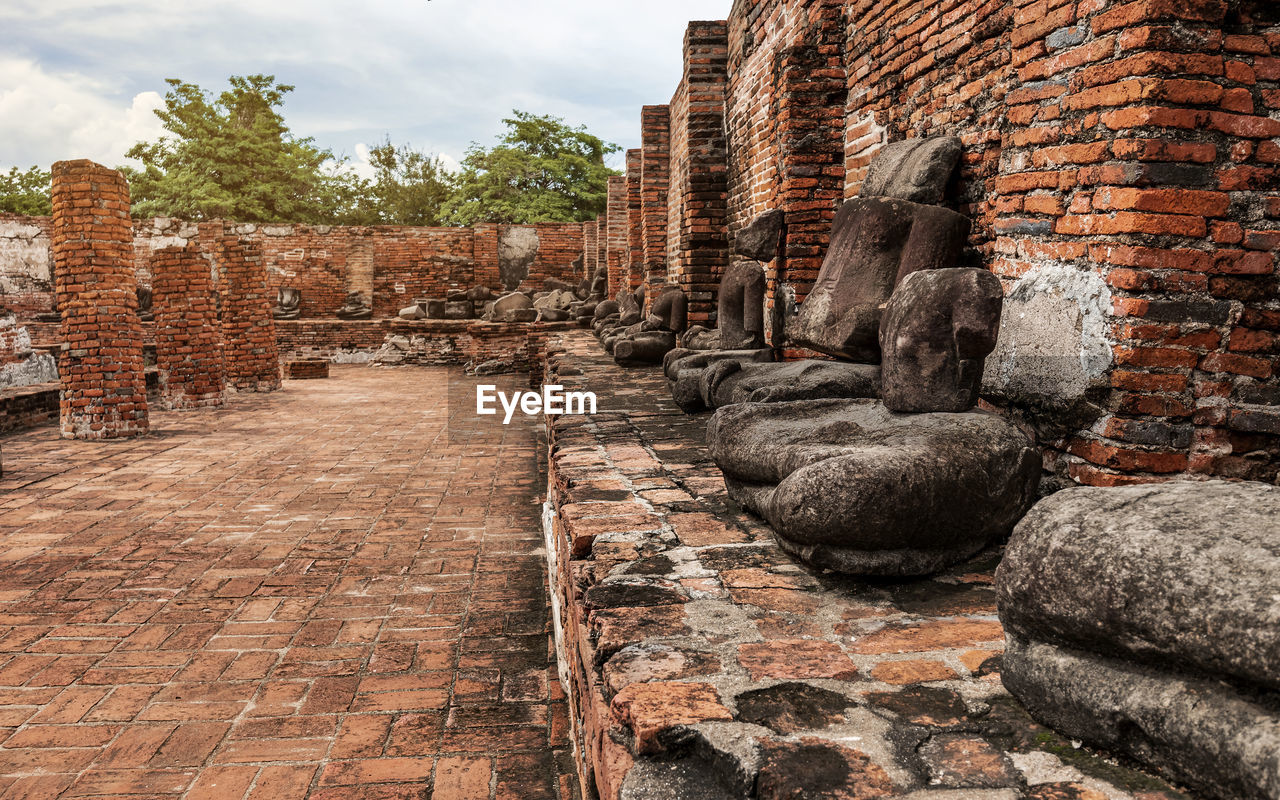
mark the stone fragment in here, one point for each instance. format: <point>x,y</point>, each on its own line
<point>685,371</point>
<point>760,240</point>
<point>511,307</point>
<point>874,244</point>
<point>938,328</point>
<point>655,712</point>
<point>647,662</point>
<point>964,761</point>
<point>458,309</point>
<point>913,169</point>
<point>479,294</point>
<point>1145,619</point>
<point>735,380</point>
<point>817,768</point>
<point>410,312</point>
<point>434,309</point>
<point>788,708</point>
<point>850,486</point>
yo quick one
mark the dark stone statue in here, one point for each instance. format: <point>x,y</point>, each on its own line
<point>851,486</point>
<point>874,244</point>
<point>656,336</point>
<point>145,311</point>
<point>356,307</point>
<point>288,303</point>
<point>937,330</point>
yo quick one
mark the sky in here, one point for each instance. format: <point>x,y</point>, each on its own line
<point>81,78</point>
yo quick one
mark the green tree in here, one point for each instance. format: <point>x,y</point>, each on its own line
<point>233,157</point>
<point>26,192</point>
<point>409,187</point>
<point>542,170</point>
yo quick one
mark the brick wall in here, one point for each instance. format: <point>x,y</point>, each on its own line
<point>1120,167</point>
<point>248,331</point>
<point>590,257</point>
<point>635,222</point>
<point>655,169</point>
<point>391,264</point>
<point>617,235</point>
<point>103,386</point>
<point>697,243</point>
<point>188,336</point>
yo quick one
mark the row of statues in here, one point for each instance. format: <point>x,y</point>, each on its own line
<point>1142,618</point>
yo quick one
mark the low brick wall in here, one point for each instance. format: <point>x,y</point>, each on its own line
<point>702,660</point>
<point>28,406</point>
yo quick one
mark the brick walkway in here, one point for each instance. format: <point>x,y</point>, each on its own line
<point>308,593</point>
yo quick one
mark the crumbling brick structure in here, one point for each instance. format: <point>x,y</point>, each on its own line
<point>635,230</point>
<point>104,394</point>
<point>617,234</point>
<point>1120,167</point>
<point>188,335</point>
<point>655,182</point>
<point>248,330</point>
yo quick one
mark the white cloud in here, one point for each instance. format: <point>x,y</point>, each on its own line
<point>45,117</point>
<point>436,74</point>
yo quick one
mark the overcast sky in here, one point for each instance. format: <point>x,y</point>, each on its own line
<point>80,78</point>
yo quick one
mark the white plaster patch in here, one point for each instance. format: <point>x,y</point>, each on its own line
<point>1053,341</point>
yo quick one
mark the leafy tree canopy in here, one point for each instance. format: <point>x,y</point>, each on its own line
<point>409,187</point>
<point>542,170</point>
<point>26,192</point>
<point>233,157</point>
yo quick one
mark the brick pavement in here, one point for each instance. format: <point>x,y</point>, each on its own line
<point>305,594</point>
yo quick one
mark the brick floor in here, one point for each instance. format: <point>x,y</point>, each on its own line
<point>305,594</point>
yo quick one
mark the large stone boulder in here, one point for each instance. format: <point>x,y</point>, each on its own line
<point>849,485</point>
<point>874,244</point>
<point>510,306</point>
<point>914,169</point>
<point>1146,619</point>
<point>937,330</point>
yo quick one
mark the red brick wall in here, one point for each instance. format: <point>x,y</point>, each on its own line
<point>616,222</point>
<point>188,336</point>
<point>104,394</point>
<point>697,243</point>
<point>248,331</point>
<point>655,181</point>
<point>26,253</point>
<point>589,255</point>
<point>635,229</point>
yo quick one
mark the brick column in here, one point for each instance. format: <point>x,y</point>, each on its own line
<point>635,235</point>
<point>810,128</point>
<point>248,330</point>
<point>698,248</point>
<point>602,241</point>
<point>589,255</point>
<point>655,170</point>
<point>188,334</point>
<point>1142,157</point>
<point>104,391</point>
<point>616,235</point>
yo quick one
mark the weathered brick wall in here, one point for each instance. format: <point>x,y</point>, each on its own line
<point>188,336</point>
<point>103,394</point>
<point>1120,167</point>
<point>697,241</point>
<point>248,331</point>
<point>391,264</point>
<point>590,257</point>
<point>617,235</point>
<point>635,229</point>
<point>655,170</point>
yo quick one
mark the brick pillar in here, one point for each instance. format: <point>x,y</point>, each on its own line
<point>616,235</point>
<point>248,329</point>
<point>104,390</point>
<point>485,251</point>
<point>635,235</point>
<point>655,170</point>
<point>589,248</point>
<point>602,241</point>
<point>1140,156</point>
<point>698,245</point>
<point>188,334</point>
<point>810,128</point>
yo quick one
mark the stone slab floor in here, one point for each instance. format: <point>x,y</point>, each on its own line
<point>304,594</point>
